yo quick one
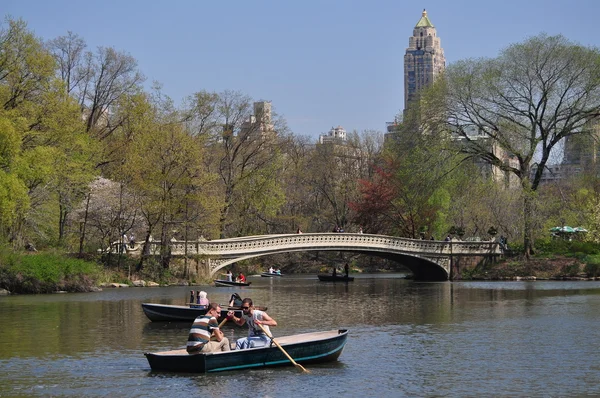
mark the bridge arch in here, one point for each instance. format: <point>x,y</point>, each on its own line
<point>420,267</point>
<point>428,260</point>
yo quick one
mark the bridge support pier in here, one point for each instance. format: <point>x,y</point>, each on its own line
<point>462,267</point>
<point>203,268</point>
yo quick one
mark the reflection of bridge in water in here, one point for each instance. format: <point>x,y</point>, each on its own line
<point>427,259</point>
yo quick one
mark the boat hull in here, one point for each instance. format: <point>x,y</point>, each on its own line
<point>222,282</point>
<point>270,275</point>
<point>305,348</point>
<point>337,278</point>
<point>180,313</point>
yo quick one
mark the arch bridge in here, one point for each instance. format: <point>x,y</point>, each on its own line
<point>427,259</point>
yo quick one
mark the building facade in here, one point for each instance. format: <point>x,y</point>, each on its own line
<point>260,124</point>
<point>337,135</point>
<point>581,155</point>
<point>424,59</point>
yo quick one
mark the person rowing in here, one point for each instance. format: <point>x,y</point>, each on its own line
<point>254,318</point>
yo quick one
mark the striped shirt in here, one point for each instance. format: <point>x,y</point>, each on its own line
<point>200,332</point>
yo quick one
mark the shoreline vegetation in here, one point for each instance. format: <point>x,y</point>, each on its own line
<point>53,271</point>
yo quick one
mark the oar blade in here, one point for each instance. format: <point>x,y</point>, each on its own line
<point>301,367</point>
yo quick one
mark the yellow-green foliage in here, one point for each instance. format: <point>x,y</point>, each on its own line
<point>45,272</point>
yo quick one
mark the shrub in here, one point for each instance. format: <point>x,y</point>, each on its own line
<point>45,272</point>
<point>153,270</point>
<point>593,269</point>
<point>571,270</point>
<point>566,247</point>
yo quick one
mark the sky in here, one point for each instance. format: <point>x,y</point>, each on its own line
<point>322,63</point>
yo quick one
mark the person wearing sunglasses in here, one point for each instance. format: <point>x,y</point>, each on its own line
<point>205,335</point>
<point>253,317</point>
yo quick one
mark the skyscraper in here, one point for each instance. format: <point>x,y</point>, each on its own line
<point>424,59</point>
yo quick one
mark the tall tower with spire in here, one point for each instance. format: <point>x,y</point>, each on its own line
<point>424,59</point>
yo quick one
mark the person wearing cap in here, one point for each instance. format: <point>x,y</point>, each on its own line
<point>205,335</point>
<point>253,317</point>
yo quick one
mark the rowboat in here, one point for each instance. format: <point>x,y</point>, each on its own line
<point>270,274</point>
<point>182,313</point>
<point>307,348</point>
<point>223,282</point>
<point>336,278</point>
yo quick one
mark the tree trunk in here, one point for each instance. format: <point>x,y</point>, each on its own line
<point>145,251</point>
<point>84,224</point>
<point>62,220</point>
<point>528,224</point>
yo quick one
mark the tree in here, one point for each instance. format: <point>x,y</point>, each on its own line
<point>244,151</point>
<point>164,167</point>
<point>69,53</point>
<point>333,173</point>
<point>294,213</point>
<point>45,142</point>
<point>524,102</point>
<point>374,209</point>
<point>106,76</point>
<point>26,69</point>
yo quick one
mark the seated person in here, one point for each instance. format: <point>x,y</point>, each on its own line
<point>205,335</point>
<point>256,336</point>
<point>202,299</point>
<point>235,300</point>
<point>241,278</point>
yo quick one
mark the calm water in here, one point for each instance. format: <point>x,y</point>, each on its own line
<point>406,339</point>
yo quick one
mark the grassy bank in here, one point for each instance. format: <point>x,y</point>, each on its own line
<point>46,273</point>
<point>554,259</point>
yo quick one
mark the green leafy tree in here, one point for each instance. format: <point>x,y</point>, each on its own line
<point>45,137</point>
<point>243,149</point>
<point>164,167</point>
<point>524,102</point>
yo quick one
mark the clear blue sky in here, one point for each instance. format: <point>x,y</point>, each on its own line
<point>322,63</point>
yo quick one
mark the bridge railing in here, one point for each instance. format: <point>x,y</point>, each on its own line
<point>331,241</point>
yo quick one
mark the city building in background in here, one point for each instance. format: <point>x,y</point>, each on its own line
<point>424,59</point>
<point>337,135</point>
<point>581,155</point>
<point>260,124</point>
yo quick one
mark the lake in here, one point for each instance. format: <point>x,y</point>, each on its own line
<point>406,338</point>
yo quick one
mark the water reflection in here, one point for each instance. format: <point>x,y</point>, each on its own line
<point>406,338</point>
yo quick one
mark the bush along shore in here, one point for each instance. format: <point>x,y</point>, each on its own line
<point>51,272</point>
<point>47,273</point>
<point>55,272</point>
<point>555,259</point>
<point>556,267</point>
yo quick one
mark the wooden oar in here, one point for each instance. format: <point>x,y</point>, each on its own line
<point>223,322</point>
<point>282,350</point>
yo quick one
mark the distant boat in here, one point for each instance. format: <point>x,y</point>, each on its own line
<point>182,313</point>
<point>270,274</point>
<point>317,347</point>
<point>223,282</point>
<point>336,278</point>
